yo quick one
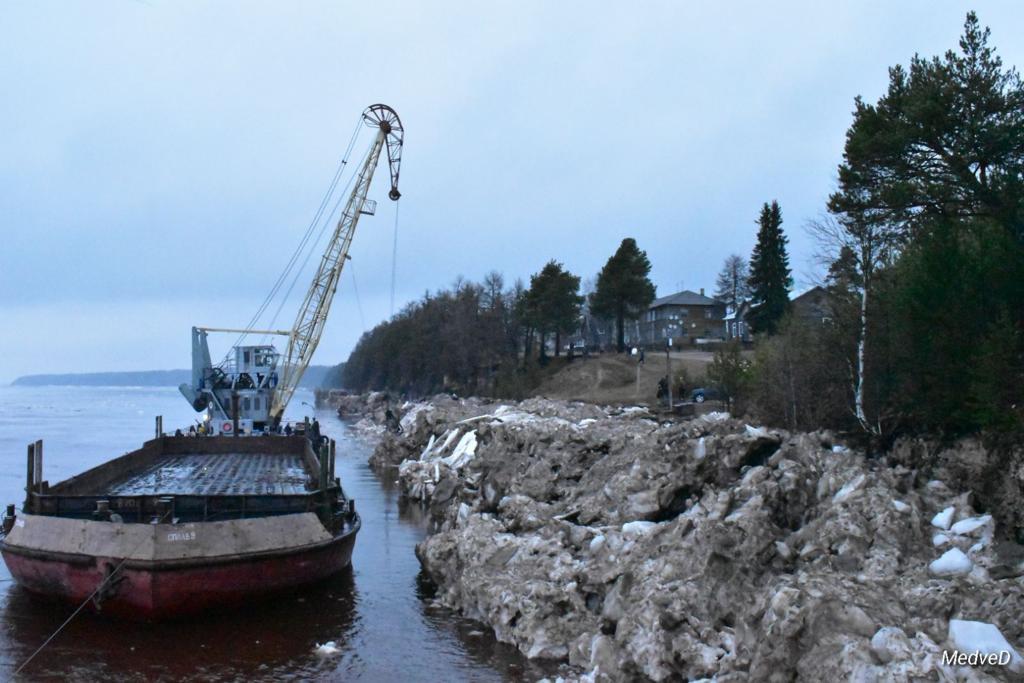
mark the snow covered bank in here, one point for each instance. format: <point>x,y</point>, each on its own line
<point>636,549</point>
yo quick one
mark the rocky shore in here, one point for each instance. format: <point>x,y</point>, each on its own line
<point>638,549</point>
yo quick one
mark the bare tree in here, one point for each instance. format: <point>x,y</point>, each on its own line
<point>732,287</point>
<point>870,246</point>
<point>493,285</point>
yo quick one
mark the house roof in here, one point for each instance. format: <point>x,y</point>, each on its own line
<point>801,293</point>
<point>684,298</point>
<point>737,313</point>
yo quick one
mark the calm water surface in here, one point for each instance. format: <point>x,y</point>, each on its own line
<point>380,613</point>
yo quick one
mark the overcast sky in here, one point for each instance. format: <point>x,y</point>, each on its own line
<point>160,160</point>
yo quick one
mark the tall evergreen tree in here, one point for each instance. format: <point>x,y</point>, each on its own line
<point>931,174</point>
<point>731,286</point>
<point>553,302</point>
<point>770,279</point>
<point>623,289</point>
<point>946,140</point>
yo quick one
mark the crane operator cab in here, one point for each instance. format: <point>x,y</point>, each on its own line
<point>237,394</point>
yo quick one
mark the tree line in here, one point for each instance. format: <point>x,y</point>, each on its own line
<point>923,241</point>
<point>486,338</point>
<point>922,250</point>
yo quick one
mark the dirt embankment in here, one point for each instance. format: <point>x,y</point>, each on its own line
<point>637,549</point>
<point>611,378</point>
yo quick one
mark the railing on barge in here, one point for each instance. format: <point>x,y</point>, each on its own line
<point>82,497</point>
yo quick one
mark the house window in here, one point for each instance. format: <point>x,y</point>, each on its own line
<point>707,313</point>
<point>683,312</point>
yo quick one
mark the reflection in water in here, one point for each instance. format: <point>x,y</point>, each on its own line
<point>381,613</point>
<point>275,635</point>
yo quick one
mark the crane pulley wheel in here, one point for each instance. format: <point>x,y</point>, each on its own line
<point>384,117</point>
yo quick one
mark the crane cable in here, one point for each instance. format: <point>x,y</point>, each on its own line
<point>355,289</point>
<point>313,247</point>
<point>282,278</point>
<point>317,217</point>
<point>394,260</point>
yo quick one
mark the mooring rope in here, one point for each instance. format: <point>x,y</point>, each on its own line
<point>74,614</point>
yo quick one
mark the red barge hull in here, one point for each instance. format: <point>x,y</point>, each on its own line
<point>153,591</point>
<point>184,525</point>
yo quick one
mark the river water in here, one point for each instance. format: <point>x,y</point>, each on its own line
<point>380,613</point>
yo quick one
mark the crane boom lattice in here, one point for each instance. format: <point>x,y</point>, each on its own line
<point>309,323</point>
<point>253,387</point>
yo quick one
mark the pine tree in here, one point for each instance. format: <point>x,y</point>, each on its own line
<point>770,279</point>
<point>931,173</point>
<point>946,140</point>
<point>553,302</point>
<point>623,288</point>
<point>731,286</point>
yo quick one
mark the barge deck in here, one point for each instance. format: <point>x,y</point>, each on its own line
<point>218,474</point>
<point>184,524</point>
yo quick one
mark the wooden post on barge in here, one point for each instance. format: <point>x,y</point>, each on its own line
<point>38,463</point>
<point>323,455</point>
<point>159,426</point>
<point>33,474</point>
<point>334,453</point>
<point>30,476</point>
<point>234,414</point>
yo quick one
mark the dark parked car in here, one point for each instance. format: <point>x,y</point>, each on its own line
<point>706,394</point>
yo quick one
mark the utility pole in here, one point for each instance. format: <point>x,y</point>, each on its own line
<point>668,370</point>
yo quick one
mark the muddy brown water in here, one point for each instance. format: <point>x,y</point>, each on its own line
<point>381,614</point>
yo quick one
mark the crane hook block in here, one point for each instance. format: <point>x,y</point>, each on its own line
<point>384,117</point>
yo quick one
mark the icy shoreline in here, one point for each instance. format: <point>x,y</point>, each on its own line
<point>635,549</point>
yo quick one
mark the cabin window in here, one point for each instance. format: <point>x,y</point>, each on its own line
<point>245,404</point>
<point>256,403</point>
<point>245,357</point>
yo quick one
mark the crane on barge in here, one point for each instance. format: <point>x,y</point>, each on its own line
<point>251,388</point>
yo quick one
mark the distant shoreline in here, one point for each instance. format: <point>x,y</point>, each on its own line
<point>313,378</point>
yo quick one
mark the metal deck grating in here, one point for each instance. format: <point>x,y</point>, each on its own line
<point>222,474</point>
